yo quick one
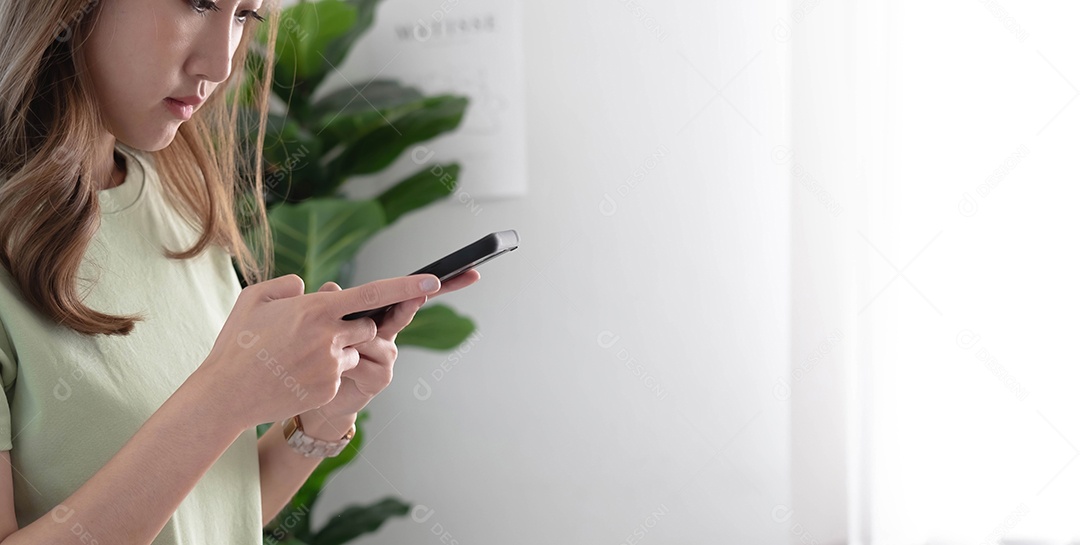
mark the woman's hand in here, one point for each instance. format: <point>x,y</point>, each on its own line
<point>372,375</point>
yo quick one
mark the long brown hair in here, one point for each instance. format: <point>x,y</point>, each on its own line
<point>49,123</point>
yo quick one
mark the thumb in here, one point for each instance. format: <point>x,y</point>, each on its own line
<point>330,286</point>
<point>282,287</point>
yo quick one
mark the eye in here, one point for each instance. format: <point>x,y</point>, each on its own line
<point>202,6</point>
<point>250,13</point>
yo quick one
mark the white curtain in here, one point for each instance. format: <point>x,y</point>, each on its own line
<point>948,410</point>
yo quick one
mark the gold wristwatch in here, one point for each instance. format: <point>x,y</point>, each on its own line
<point>310,446</point>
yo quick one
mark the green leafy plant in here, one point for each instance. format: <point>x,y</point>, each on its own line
<point>310,151</point>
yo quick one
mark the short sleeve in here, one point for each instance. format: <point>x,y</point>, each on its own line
<point>7,379</point>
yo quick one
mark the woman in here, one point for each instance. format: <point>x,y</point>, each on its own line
<point>117,182</point>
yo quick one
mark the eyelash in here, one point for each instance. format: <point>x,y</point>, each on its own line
<point>202,6</point>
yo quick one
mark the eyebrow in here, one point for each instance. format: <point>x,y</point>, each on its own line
<point>256,8</point>
<point>217,6</point>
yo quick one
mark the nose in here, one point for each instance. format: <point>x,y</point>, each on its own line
<point>212,52</point>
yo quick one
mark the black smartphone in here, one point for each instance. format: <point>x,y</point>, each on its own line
<point>481,251</point>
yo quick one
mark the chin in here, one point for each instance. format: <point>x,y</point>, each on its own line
<point>155,142</point>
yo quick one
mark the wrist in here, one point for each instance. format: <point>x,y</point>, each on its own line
<point>213,402</point>
<point>319,427</point>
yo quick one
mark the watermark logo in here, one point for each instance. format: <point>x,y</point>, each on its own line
<point>969,205</point>
<point>608,204</point>
<point>783,156</point>
<point>247,339</point>
<point>968,339</point>
<point>421,155</point>
<point>422,513</point>
<point>1007,20</point>
<point>66,28</point>
<point>782,388</point>
<point>61,514</point>
<point>646,19</point>
<point>646,526</point>
<point>283,530</point>
<point>422,390</point>
<point>296,160</point>
<point>783,29</point>
<point>607,340</point>
<point>782,514</point>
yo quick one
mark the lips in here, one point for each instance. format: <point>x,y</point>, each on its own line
<point>193,100</point>
<point>179,109</point>
<point>183,107</point>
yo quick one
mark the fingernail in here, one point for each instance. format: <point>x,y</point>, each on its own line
<point>429,284</point>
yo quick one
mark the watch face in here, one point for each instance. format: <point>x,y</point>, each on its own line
<point>290,427</point>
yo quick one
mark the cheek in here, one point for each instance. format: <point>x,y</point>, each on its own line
<point>126,52</point>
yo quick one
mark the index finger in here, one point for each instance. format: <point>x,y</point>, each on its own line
<point>380,293</point>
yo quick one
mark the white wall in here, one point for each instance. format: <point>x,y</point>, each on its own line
<point>625,376</point>
<point>980,198</point>
<point>833,93</point>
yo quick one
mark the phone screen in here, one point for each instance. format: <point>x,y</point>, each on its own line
<point>452,265</point>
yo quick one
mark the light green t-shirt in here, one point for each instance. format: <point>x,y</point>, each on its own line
<point>73,401</point>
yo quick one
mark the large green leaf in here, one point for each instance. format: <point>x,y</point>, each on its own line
<point>419,190</point>
<point>338,48</point>
<point>375,94</point>
<point>358,119</point>
<point>358,520</point>
<point>436,327</point>
<point>373,140</point>
<point>305,31</point>
<point>314,238</point>
<point>339,131</point>
<point>291,157</point>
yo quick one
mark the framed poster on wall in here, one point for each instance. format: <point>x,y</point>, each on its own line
<point>467,47</point>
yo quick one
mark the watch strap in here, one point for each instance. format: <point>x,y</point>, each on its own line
<point>310,446</point>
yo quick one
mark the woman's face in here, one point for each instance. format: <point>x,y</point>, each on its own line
<point>142,52</point>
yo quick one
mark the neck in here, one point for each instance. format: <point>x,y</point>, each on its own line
<point>108,173</point>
